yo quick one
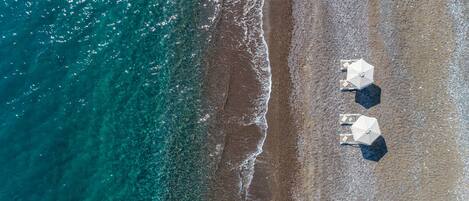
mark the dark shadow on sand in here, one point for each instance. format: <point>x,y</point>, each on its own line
<point>369,96</point>
<point>376,151</point>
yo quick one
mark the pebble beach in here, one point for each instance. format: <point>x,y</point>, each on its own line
<point>418,50</point>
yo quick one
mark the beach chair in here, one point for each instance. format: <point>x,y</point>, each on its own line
<point>344,63</point>
<point>347,139</point>
<point>348,119</point>
<point>344,84</point>
<point>347,86</point>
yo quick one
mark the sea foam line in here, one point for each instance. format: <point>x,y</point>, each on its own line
<point>263,73</point>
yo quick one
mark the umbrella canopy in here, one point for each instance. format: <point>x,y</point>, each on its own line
<point>365,130</point>
<point>360,74</point>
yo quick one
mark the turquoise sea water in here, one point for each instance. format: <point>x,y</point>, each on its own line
<point>101,100</point>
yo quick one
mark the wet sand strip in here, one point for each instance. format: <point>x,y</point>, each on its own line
<point>237,83</point>
<point>277,167</point>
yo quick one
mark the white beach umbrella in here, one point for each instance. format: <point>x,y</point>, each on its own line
<point>360,74</point>
<point>365,130</point>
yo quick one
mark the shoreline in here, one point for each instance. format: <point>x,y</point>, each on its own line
<point>238,86</point>
<point>277,167</point>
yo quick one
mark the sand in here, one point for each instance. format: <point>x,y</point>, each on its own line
<point>411,45</point>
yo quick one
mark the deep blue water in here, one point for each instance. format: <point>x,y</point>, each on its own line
<point>101,100</point>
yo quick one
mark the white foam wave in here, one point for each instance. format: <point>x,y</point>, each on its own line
<point>253,40</point>
<point>213,16</point>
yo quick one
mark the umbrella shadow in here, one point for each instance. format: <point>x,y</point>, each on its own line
<point>369,96</point>
<point>376,151</point>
